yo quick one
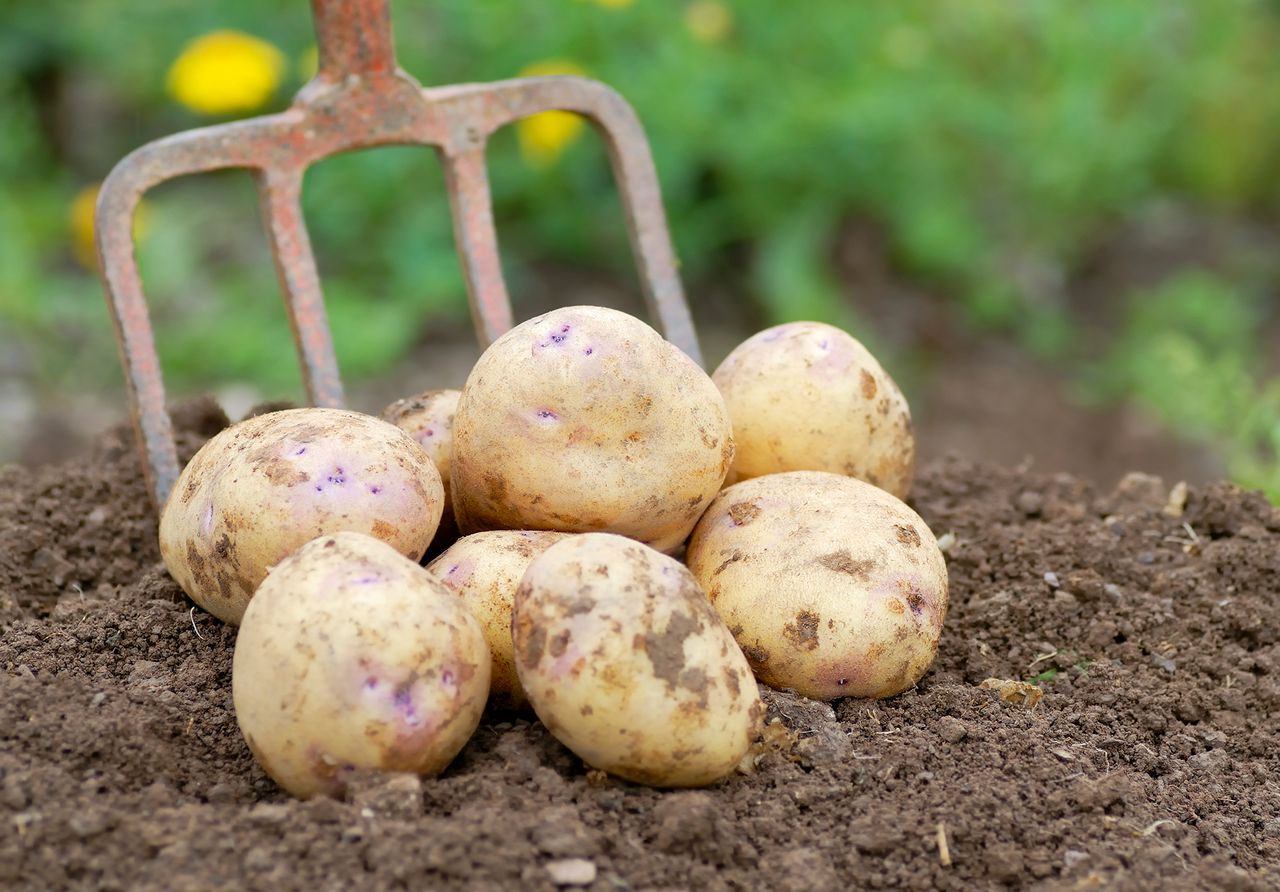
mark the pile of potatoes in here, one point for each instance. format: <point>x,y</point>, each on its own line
<point>617,541</point>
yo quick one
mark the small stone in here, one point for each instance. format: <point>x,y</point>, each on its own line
<point>1051,579</point>
<point>98,699</point>
<point>268,813</point>
<point>1073,858</point>
<point>951,729</point>
<point>572,872</point>
<point>89,823</point>
<point>1164,663</point>
<point>1029,503</point>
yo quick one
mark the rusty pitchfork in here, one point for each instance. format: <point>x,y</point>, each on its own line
<point>361,98</point>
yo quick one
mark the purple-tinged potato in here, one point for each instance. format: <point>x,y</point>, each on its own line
<point>805,396</point>
<point>832,587</point>
<point>584,420</point>
<point>351,656</point>
<point>428,418</point>
<point>485,570</point>
<point>628,665</point>
<point>263,487</point>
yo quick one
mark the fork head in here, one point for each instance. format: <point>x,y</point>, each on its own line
<point>360,98</point>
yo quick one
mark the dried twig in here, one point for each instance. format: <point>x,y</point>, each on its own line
<point>944,851</point>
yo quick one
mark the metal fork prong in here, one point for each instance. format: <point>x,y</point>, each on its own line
<point>467,181</point>
<point>113,232</point>
<point>197,151</point>
<point>486,107</point>
<point>637,179</point>
<point>281,196</point>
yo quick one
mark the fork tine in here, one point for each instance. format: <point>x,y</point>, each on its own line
<point>467,180</point>
<point>113,229</point>
<point>281,192</point>
<point>486,107</point>
<point>637,179</point>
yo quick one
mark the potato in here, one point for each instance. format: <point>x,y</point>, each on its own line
<point>352,656</point>
<point>485,569</point>
<point>263,487</point>
<point>428,418</point>
<point>808,397</point>
<point>832,587</point>
<point>583,420</point>
<point>627,664</point>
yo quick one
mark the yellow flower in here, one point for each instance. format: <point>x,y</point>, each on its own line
<point>544,136</point>
<point>80,224</point>
<point>709,21</point>
<point>226,72</point>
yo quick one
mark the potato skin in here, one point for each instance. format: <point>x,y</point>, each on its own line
<point>628,665</point>
<point>261,488</point>
<point>485,570</point>
<point>831,586</point>
<point>585,419</point>
<point>353,656</point>
<point>806,396</point>
<point>428,418</point>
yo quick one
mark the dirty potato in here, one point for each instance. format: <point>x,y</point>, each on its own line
<point>809,397</point>
<point>263,487</point>
<point>583,420</point>
<point>485,569</point>
<point>832,586</point>
<point>428,418</point>
<point>627,664</point>
<point>352,656</point>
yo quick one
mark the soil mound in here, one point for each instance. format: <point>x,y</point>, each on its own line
<point>1148,617</point>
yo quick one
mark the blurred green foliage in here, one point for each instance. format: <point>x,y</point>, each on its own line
<point>1187,349</point>
<point>994,143</point>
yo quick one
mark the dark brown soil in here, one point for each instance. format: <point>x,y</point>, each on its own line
<point>1150,763</point>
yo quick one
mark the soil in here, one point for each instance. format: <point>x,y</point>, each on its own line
<point>1151,761</point>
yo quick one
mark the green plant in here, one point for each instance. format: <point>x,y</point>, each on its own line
<point>1188,351</point>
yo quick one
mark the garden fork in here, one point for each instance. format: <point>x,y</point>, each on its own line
<point>361,98</point>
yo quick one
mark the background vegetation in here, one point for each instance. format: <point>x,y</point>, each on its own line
<point>1001,149</point>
